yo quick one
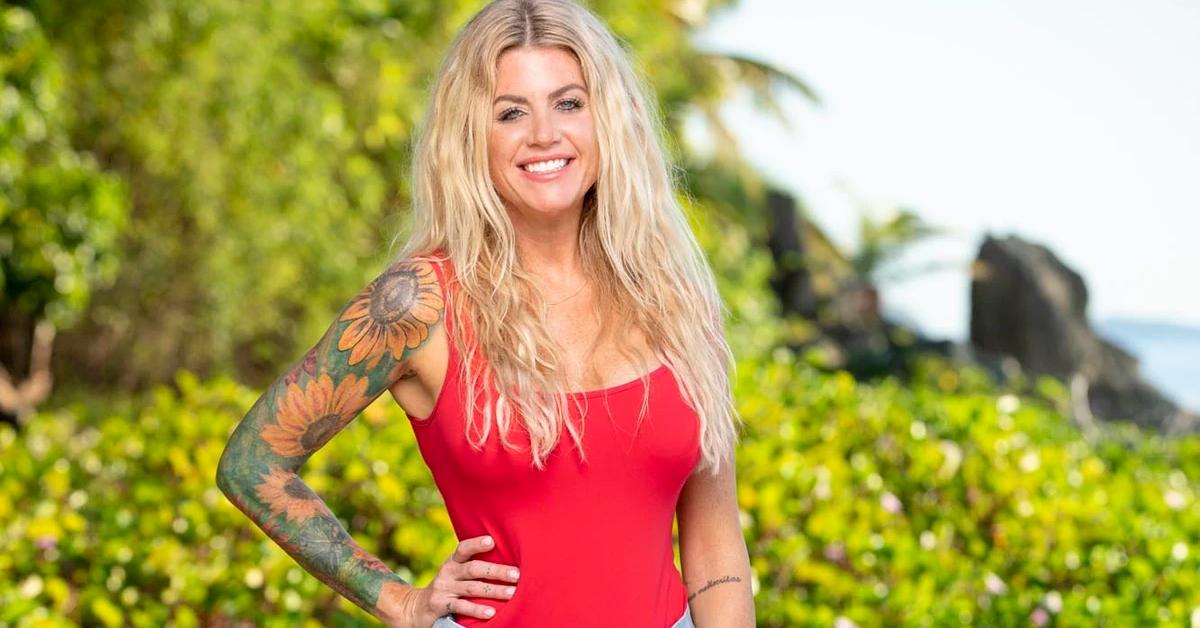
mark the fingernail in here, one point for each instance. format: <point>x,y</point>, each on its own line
<point>510,590</point>
<point>487,540</point>
<point>513,574</point>
<point>489,612</point>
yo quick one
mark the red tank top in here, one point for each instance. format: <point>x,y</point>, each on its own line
<point>592,540</point>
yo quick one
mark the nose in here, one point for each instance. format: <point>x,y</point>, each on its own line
<point>544,130</point>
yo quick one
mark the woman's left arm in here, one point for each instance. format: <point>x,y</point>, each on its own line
<point>712,551</point>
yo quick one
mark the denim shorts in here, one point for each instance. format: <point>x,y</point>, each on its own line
<point>685,621</point>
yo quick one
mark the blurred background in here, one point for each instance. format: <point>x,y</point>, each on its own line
<point>953,239</point>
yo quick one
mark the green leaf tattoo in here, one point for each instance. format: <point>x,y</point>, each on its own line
<point>361,354</point>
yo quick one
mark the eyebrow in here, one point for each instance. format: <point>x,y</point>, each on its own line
<point>554,94</point>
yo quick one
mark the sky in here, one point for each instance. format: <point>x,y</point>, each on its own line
<point>1072,124</point>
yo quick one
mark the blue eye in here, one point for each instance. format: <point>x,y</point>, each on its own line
<point>574,103</point>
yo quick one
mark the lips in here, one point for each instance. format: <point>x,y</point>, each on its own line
<point>548,174</point>
<point>534,160</point>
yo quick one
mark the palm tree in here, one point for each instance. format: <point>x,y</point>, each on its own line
<point>717,76</point>
<point>882,240</point>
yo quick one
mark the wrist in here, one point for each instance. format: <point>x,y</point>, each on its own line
<point>395,606</point>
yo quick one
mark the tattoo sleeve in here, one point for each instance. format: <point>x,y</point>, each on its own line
<point>361,354</point>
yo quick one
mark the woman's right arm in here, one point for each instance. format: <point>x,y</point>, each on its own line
<point>360,355</point>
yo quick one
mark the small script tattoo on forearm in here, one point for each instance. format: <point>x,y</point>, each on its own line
<point>713,583</point>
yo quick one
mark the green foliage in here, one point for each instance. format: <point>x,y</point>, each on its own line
<point>945,503</point>
<point>111,515</point>
<point>881,240</point>
<point>753,326</point>
<point>940,504</point>
<point>265,147</point>
<point>60,215</point>
<point>263,144</point>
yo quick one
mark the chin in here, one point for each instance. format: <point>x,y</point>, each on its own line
<point>550,207</point>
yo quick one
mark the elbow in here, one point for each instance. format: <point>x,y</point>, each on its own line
<point>234,487</point>
<point>226,477</point>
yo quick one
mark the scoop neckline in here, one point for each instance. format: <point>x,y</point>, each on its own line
<point>617,387</point>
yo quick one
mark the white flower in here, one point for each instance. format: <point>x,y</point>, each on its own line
<point>254,577</point>
<point>1030,461</point>
<point>994,584</point>
<point>31,587</point>
<point>952,458</point>
<point>1053,602</point>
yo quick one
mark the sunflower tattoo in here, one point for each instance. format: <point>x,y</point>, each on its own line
<point>303,410</point>
<point>391,314</point>
<point>308,417</point>
<point>286,493</point>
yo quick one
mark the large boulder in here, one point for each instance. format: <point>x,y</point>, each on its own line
<point>1027,304</point>
<point>792,281</point>
<point>814,281</point>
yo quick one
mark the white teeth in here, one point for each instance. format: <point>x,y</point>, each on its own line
<point>546,166</point>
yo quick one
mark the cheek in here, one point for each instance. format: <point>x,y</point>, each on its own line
<point>589,144</point>
<point>498,156</point>
<point>585,134</point>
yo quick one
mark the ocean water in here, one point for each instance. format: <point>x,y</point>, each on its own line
<point>1169,355</point>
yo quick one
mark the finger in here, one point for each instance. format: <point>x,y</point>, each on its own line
<point>492,571</point>
<point>453,605</point>
<point>460,607</point>
<point>469,547</point>
<point>475,588</point>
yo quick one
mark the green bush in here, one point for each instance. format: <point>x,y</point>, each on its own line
<point>945,503</point>
<point>942,502</point>
<point>60,213</point>
<point>112,517</point>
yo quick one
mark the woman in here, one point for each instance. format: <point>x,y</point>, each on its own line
<point>548,254</point>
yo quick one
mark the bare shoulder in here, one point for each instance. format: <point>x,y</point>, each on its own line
<point>366,349</point>
<point>402,313</point>
<point>395,311</point>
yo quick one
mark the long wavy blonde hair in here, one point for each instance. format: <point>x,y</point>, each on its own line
<point>635,243</point>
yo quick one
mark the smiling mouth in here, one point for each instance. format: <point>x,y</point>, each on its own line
<point>547,167</point>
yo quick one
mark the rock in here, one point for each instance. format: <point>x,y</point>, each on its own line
<point>1027,304</point>
<point>792,281</point>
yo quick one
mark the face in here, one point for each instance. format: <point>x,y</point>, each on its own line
<point>542,151</point>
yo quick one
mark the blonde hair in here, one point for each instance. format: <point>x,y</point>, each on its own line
<point>634,240</point>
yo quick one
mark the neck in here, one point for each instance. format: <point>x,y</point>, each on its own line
<point>551,252</point>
